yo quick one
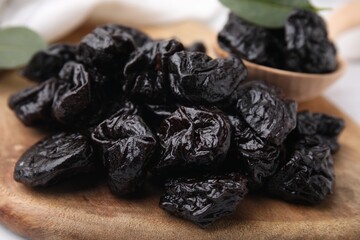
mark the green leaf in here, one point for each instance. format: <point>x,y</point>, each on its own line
<point>17,45</point>
<point>266,13</point>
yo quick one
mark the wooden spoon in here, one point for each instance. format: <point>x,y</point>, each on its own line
<point>306,86</point>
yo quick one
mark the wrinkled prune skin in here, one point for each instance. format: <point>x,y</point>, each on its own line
<point>73,99</point>
<point>197,79</point>
<point>307,46</point>
<point>317,128</point>
<point>125,106</point>
<point>33,105</point>
<point>203,200</point>
<point>55,159</point>
<point>139,38</point>
<point>108,47</point>
<point>109,109</point>
<point>122,106</point>
<point>253,43</point>
<point>161,111</point>
<point>307,177</point>
<point>154,114</point>
<point>196,47</point>
<point>126,145</point>
<point>253,156</point>
<point>268,114</point>
<point>146,77</point>
<point>192,139</point>
<point>47,63</point>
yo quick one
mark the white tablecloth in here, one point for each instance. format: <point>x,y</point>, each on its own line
<point>55,18</point>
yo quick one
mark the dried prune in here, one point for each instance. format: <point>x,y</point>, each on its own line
<point>146,77</point>
<point>307,177</point>
<point>74,97</point>
<point>192,139</point>
<point>253,156</point>
<point>125,106</point>
<point>196,47</point>
<point>268,114</point>
<point>110,108</point>
<point>317,128</point>
<point>139,38</point>
<point>154,114</point>
<point>307,46</point>
<point>33,105</point>
<point>55,159</point>
<point>195,78</point>
<point>108,47</point>
<point>126,145</point>
<point>203,200</point>
<point>161,111</point>
<point>47,63</point>
<point>253,43</point>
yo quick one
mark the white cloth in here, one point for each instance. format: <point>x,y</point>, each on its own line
<point>54,19</point>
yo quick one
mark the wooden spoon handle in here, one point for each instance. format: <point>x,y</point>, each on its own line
<point>345,18</point>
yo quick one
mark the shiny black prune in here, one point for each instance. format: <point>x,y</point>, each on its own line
<point>33,105</point>
<point>203,200</point>
<point>307,177</point>
<point>125,106</point>
<point>253,156</point>
<point>154,114</point>
<point>192,139</point>
<point>253,43</point>
<point>161,111</point>
<point>126,145</point>
<point>47,63</point>
<point>319,123</point>
<point>112,107</point>
<point>139,38</point>
<point>317,128</point>
<point>146,77</point>
<point>268,114</point>
<point>73,99</point>
<point>197,79</point>
<point>108,47</point>
<point>55,159</point>
<point>196,47</point>
<point>307,46</point>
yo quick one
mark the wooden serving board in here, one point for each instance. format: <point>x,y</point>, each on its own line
<point>87,210</point>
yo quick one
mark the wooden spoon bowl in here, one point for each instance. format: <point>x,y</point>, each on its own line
<point>295,85</point>
<point>306,86</point>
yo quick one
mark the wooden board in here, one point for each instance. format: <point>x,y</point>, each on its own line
<point>87,210</point>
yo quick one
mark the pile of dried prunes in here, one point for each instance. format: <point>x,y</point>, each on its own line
<point>302,45</point>
<point>139,109</point>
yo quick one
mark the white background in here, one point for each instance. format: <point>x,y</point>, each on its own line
<point>55,18</point>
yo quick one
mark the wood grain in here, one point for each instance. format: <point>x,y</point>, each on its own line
<point>87,210</point>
